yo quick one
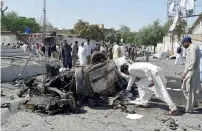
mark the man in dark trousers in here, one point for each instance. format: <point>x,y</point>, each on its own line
<point>74,53</point>
<point>66,54</point>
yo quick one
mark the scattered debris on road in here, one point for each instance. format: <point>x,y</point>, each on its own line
<point>66,91</point>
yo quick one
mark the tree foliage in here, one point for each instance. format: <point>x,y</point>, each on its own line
<point>13,22</point>
<point>125,33</point>
<point>113,36</point>
<point>180,28</point>
<point>149,35</point>
<point>81,27</point>
<point>85,30</point>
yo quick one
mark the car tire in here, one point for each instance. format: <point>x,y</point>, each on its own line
<point>98,57</point>
<point>79,78</point>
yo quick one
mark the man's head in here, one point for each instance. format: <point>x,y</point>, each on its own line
<point>76,43</point>
<point>186,42</point>
<point>88,40</point>
<point>124,69</point>
<point>82,44</point>
<point>65,41</point>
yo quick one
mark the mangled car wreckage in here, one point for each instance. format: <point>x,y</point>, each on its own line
<point>66,91</point>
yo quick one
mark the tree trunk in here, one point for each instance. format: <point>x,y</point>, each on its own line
<point>155,49</point>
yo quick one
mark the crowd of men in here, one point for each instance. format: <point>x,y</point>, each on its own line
<point>69,53</point>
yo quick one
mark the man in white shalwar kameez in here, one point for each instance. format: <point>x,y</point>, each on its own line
<point>116,51</point>
<point>191,85</point>
<point>24,47</point>
<point>82,55</point>
<point>179,57</point>
<point>88,47</point>
<point>151,80</point>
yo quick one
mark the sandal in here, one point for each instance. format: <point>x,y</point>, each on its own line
<point>172,113</point>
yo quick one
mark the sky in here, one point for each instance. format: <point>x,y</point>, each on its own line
<point>112,13</point>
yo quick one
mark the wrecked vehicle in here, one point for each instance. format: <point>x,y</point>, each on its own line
<point>66,91</point>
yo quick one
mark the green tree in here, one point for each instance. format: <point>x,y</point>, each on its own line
<point>125,33</point>
<point>12,22</point>
<point>95,33</point>
<point>150,35</point>
<point>84,29</point>
<point>157,33</point>
<point>166,28</point>
<point>81,28</point>
<point>113,36</point>
<point>180,28</point>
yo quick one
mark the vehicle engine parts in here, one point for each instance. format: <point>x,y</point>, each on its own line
<point>65,91</point>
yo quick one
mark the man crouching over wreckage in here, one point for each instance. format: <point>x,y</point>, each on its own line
<point>150,80</point>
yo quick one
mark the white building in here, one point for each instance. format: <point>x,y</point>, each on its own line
<point>7,37</point>
<point>197,26</point>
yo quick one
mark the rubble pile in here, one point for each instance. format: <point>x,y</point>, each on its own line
<point>58,90</point>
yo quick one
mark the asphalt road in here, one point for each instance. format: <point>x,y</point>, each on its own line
<point>102,118</point>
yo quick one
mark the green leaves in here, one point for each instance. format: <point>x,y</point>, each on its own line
<point>13,22</point>
<point>84,29</point>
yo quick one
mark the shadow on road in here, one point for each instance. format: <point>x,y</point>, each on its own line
<point>174,82</point>
<point>165,107</point>
<point>197,111</point>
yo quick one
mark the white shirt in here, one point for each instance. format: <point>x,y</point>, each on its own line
<point>141,70</point>
<point>116,51</point>
<point>88,48</point>
<point>82,55</point>
<point>24,47</point>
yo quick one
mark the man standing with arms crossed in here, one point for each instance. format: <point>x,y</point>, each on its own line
<point>191,85</point>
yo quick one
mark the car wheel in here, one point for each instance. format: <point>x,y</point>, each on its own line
<point>79,78</point>
<point>98,57</point>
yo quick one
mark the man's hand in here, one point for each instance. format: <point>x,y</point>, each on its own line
<point>151,84</point>
<point>183,75</point>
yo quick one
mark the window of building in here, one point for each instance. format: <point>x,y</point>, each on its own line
<point>30,35</point>
<point>35,36</point>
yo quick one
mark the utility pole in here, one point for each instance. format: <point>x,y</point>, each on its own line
<point>170,18</point>
<point>44,19</point>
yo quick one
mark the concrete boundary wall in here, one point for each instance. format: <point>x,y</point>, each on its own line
<point>15,54</point>
<point>3,51</point>
<point>10,73</point>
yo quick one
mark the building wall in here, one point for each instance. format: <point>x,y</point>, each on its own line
<point>196,38</point>
<point>8,38</point>
<point>167,45</point>
<point>101,26</point>
<point>159,47</point>
<point>198,28</point>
